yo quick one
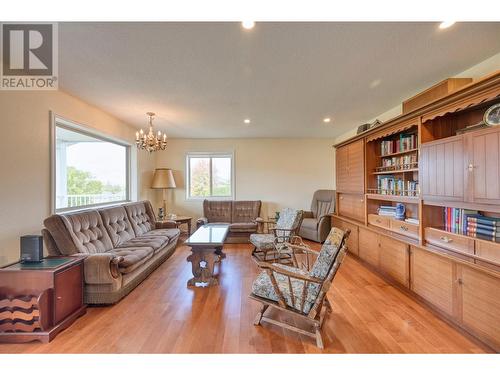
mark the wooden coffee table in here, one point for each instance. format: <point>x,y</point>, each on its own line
<point>206,247</point>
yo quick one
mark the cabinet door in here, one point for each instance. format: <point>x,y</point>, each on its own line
<point>341,174</point>
<point>432,278</point>
<point>352,205</point>
<point>352,241</point>
<point>483,166</point>
<point>442,169</point>
<point>368,246</point>
<point>394,259</point>
<point>356,167</point>
<point>481,304</point>
<point>68,292</point>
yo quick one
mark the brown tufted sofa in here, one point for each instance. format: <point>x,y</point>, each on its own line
<point>241,216</point>
<point>123,245</point>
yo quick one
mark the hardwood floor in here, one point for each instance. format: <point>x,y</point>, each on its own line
<point>163,316</point>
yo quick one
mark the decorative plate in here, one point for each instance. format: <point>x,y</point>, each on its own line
<point>492,115</point>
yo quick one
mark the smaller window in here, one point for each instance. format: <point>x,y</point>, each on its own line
<point>209,175</point>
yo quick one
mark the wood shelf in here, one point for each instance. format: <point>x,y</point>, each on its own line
<point>396,171</point>
<point>393,198</point>
<point>398,153</point>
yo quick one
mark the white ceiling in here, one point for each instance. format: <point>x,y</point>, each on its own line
<point>204,79</point>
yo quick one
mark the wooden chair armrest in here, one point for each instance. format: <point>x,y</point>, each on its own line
<point>300,248</point>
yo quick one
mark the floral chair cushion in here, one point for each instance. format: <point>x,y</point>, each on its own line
<point>262,241</point>
<point>263,287</point>
<point>327,254</point>
<point>289,218</point>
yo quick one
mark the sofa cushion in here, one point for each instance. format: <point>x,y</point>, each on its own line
<point>172,234</point>
<point>245,211</point>
<point>243,227</point>
<point>141,217</point>
<point>309,223</point>
<point>218,211</point>
<point>155,242</point>
<point>133,257</point>
<point>60,234</point>
<point>87,232</point>
<point>117,224</point>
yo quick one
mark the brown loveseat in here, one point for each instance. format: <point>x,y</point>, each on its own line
<point>123,245</point>
<point>242,217</point>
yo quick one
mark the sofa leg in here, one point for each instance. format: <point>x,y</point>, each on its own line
<point>258,318</point>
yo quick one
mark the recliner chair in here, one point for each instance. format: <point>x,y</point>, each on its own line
<point>316,224</point>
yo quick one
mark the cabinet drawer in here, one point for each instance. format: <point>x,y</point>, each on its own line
<point>67,292</point>
<point>352,205</point>
<point>490,251</point>
<point>449,240</point>
<point>404,228</point>
<point>380,221</point>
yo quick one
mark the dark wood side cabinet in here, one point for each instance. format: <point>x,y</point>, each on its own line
<point>37,301</point>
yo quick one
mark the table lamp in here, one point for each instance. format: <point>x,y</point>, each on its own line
<point>163,179</point>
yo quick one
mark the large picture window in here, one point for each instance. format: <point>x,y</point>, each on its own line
<point>88,169</point>
<point>210,175</point>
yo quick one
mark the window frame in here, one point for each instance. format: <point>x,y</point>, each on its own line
<point>64,123</point>
<point>210,155</point>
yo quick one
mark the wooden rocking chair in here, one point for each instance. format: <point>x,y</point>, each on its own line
<point>300,290</point>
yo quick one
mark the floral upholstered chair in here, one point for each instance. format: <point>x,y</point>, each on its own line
<point>267,244</point>
<point>301,291</point>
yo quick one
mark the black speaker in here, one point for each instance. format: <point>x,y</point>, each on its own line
<point>31,249</point>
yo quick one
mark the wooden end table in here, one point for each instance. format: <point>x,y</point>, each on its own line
<point>39,300</point>
<point>206,247</point>
<point>181,220</point>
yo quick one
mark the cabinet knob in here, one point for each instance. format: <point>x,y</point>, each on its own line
<point>470,167</point>
<point>460,281</point>
<point>446,239</point>
<point>402,227</point>
<point>59,298</point>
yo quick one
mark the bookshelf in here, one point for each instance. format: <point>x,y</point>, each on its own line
<point>441,174</point>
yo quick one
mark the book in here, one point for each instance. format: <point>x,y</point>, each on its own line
<point>484,220</point>
<point>482,231</point>
<point>483,226</point>
<point>412,221</point>
<point>485,237</point>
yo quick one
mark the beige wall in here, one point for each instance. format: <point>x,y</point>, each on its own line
<point>280,172</point>
<point>25,159</point>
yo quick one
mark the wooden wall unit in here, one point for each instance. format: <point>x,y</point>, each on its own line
<point>458,275</point>
<point>350,168</point>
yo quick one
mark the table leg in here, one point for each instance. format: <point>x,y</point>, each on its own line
<point>202,263</point>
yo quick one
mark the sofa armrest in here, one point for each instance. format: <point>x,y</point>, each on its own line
<point>166,224</point>
<point>201,221</point>
<point>324,226</point>
<point>102,268</point>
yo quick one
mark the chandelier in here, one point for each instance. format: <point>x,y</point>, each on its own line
<point>151,141</point>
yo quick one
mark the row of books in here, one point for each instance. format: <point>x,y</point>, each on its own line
<point>401,162</point>
<point>390,185</point>
<point>405,142</point>
<point>471,223</point>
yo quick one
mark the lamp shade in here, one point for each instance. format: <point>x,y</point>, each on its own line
<point>163,179</point>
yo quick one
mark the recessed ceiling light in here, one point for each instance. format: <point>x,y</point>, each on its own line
<point>248,25</point>
<point>446,24</point>
<point>247,121</point>
<point>327,120</point>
